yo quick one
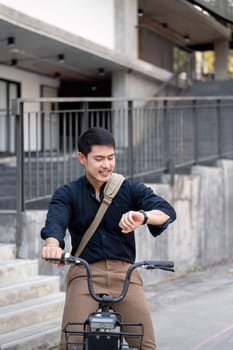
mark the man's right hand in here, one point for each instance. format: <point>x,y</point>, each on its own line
<point>51,250</point>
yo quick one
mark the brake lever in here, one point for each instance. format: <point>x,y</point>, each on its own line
<point>153,267</point>
<point>54,259</point>
<point>167,269</point>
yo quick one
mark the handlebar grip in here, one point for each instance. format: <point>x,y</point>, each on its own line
<point>63,260</point>
<point>154,264</point>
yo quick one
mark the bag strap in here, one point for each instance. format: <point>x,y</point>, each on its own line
<point>110,190</point>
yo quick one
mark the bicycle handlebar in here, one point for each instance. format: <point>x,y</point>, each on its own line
<point>68,259</point>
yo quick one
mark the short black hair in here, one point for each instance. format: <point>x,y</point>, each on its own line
<point>94,136</point>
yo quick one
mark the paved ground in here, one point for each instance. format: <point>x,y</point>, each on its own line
<point>195,312</point>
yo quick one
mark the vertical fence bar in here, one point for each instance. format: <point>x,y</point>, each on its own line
<point>76,133</point>
<point>20,199</point>
<point>168,161</point>
<point>219,128</point>
<point>29,159</point>
<point>51,151</point>
<point>64,148</point>
<point>58,154</point>
<point>37,156</point>
<point>165,135</point>
<point>42,116</point>
<point>20,202</point>
<point>85,116</point>
<point>195,132</point>
<point>70,146</point>
<point>130,139</point>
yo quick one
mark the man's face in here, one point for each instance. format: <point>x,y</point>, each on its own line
<point>99,163</point>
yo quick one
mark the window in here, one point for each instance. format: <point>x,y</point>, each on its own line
<point>8,91</point>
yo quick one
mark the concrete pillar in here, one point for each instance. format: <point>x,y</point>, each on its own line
<point>129,85</point>
<point>126,33</point>
<point>221,59</point>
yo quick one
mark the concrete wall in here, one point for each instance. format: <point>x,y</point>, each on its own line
<point>132,85</point>
<point>91,19</point>
<point>201,235</point>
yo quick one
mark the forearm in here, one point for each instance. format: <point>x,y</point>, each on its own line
<point>156,217</point>
<point>133,219</point>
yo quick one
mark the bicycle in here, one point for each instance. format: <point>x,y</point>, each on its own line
<point>105,329</point>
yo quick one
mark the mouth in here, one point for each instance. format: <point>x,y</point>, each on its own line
<point>105,173</point>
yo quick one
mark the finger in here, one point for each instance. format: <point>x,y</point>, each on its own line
<point>127,220</point>
<point>51,253</point>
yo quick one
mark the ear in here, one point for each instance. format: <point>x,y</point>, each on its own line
<point>81,157</point>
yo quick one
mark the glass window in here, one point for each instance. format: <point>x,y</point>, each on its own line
<point>8,91</point>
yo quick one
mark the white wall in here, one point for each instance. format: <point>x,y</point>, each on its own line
<point>91,19</point>
<point>30,88</point>
<point>30,82</point>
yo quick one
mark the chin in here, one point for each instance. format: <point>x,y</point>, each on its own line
<point>105,177</point>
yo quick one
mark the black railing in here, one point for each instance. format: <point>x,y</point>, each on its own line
<point>220,8</point>
<point>153,136</point>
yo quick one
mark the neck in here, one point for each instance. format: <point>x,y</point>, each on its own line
<point>96,185</point>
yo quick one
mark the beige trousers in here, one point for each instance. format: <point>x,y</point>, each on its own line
<point>108,278</point>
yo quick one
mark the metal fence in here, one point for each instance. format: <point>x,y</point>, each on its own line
<point>153,136</point>
<point>223,8</point>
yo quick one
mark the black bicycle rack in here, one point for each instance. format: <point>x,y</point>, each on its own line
<point>102,330</point>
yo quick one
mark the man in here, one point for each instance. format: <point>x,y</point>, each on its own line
<point>112,247</point>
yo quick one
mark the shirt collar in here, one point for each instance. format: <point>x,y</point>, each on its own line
<point>91,189</point>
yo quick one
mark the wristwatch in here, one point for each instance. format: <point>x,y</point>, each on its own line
<point>145,216</point>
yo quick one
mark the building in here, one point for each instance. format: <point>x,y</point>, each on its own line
<point>113,48</point>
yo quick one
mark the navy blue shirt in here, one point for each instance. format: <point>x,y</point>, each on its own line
<point>74,206</point>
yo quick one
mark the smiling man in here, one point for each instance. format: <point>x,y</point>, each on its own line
<point>111,249</point>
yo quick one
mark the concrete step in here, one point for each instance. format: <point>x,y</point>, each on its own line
<point>37,286</point>
<point>31,312</point>
<point>7,251</point>
<point>30,305</point>
<point>12,271</point>
<point>43,336</point>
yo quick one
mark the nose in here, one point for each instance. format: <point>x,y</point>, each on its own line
<point>106,163</point>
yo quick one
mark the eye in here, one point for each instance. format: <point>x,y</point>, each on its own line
<point>98,159</point>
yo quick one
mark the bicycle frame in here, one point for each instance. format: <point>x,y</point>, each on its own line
<point>105,329</point>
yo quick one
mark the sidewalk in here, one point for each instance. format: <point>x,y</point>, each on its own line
<point>194,312</point>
